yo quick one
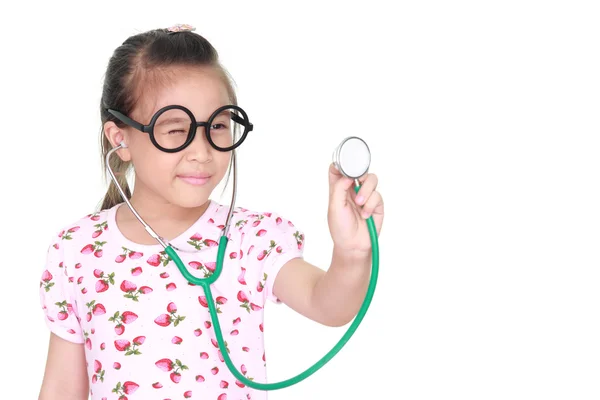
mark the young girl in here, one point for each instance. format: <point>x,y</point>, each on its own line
<point>125,324</point>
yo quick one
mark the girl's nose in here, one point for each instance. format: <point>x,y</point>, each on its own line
<point>199,149</point>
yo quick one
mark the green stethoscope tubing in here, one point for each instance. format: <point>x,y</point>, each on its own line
<point>206,282</point>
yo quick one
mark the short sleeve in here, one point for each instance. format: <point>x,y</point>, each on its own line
<point>57,295</point>
<point>273,242</point>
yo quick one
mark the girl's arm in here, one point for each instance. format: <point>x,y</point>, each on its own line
<point>65,377</point>
<point>331,298</point>
<point>334,297</point>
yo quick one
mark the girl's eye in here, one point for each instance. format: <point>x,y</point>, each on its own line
<point>218,126</point>
<point>176,132</point>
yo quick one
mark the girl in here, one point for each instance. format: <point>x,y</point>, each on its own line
<point>124,322</point>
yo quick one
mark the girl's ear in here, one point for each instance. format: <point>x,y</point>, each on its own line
<point>115,136</point>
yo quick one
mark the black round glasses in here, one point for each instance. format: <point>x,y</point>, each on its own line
<point>173,128</point>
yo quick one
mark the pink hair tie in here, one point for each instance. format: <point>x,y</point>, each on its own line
<point>181,28</point>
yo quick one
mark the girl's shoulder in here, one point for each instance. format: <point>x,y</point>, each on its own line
<point>260,227</point>
<point>91,227</point>
<point>95,224</point>
<point>245,219</point>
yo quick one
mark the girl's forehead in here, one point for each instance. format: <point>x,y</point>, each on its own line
<point>201,91</point>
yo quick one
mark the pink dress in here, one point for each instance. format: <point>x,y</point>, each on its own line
<point>146,331</point>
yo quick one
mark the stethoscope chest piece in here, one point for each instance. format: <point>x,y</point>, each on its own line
<point>352,157</point>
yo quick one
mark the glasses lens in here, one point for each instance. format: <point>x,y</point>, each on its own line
<point>172,128</point>
<point>227,128</point>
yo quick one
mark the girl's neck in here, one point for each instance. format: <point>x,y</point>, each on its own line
<point>151,208</point>
<point>167,222</point>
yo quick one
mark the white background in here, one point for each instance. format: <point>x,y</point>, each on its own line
<point>483,121</point>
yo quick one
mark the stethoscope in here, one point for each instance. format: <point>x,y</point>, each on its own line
<point>352,158</point>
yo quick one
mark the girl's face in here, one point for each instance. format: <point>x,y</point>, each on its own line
<point>188,177</point>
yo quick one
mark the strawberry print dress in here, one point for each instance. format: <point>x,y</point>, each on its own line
<point>146,331</point>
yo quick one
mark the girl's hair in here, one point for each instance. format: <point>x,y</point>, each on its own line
<point>138,64</point>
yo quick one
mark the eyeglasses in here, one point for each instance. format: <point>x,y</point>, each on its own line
<point>173,128</point>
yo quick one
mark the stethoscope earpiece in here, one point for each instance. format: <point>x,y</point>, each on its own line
<point>352,157</point>
<point>123,144</point>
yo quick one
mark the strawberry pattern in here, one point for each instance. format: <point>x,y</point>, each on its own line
<point>146,331</point>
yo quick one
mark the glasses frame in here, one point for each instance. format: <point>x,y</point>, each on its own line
<point>149,129</point>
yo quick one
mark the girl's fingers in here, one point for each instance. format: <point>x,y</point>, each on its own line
<point>367,187</point>
<point>373,202</point>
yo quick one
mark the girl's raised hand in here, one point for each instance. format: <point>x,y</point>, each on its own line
<point>348,211</point>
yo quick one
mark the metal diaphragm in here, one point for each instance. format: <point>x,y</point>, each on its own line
<point>352,157</point>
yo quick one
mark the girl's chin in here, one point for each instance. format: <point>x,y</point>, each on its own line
<point>191,196</point>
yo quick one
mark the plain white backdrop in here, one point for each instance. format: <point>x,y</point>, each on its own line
<point>483,122</point>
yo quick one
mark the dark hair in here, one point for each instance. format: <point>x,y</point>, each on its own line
<point>137,64</point>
